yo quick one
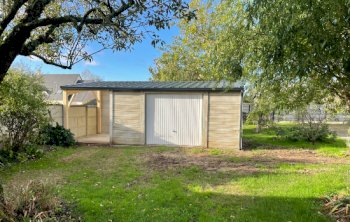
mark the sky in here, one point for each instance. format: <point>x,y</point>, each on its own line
<point>130,65</point>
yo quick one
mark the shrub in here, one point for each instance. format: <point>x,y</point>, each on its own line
<point>34,202</point>
<point>23,109</point>
<point>311,132</point>
<point>30,152</point>
<point>57,135</point>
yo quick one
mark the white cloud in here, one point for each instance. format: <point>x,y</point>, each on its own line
<point>34,58</point>
<point>92,63</point>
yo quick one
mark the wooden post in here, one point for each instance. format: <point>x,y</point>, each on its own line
<point>66,109</point>
<point>205,120</point>
<point>98,112</point>
<point>111,108</point>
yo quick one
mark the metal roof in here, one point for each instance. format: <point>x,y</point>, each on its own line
<point>53,83</point>
<point>157,86</point>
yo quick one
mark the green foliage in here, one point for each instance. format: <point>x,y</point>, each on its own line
<point>58,31</point>
<point>30,152</point>
<point>23,110</point>
<point>57,135</point>
<point>201,52</point>
<point>305,49</point>
<point>290,53</point>
<point>306,132</point>
<point>268,139</point>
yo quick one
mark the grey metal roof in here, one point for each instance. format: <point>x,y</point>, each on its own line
<point>157,86</point>
<point>53,83</point>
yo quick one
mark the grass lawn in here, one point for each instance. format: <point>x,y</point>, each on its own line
<point>267,139</point>
<point>188,184</point>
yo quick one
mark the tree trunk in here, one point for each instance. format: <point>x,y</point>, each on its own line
<point>11,48</point>
<point>2,196</point>
<point>258,125</point>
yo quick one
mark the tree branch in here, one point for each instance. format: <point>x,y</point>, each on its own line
<point>51,62</point>
<point>12,14</point>
<point>78,19</point>
<point>30,47</point>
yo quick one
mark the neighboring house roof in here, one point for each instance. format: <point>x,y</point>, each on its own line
<point>158,86</point>
<point>53,83</point>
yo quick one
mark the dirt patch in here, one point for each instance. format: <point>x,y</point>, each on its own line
<point>239,161</point>
<point>179,159</point>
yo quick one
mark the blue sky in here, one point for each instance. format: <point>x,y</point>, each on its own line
<point>118,66</point>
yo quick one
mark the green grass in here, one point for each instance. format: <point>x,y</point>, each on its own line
<point>268,138</point>
<point>129,184</point>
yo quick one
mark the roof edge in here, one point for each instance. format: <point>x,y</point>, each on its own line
<point>156,89</point>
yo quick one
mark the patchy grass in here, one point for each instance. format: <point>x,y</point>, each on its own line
<point>267,140</point>
<point>189,184</point>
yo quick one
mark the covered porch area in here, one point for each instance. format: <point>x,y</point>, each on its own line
<point>94,139</point>
<point>89,124</point>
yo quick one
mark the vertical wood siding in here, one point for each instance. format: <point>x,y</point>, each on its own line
<point>77,120</point>
<point>224,120</point>
<point>174,119</point>
<point>128,118</point>
<point>105,111</point>
<point>91,121</point>
<point>56,112</point>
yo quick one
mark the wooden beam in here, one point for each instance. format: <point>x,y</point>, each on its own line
<point>111,108</point>
<point>98,112</point>
<point>71,100</point>
<point>205,120</point>
<point>65,109</point>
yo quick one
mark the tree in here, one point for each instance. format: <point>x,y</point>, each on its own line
<point>23,109</point>
<point>202,52</point>
<point>58,31</point>
<point>290,52</point>
<point>88,75</point>
<point>304,42</point>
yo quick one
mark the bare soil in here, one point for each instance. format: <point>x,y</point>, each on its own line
<point>242,162</point>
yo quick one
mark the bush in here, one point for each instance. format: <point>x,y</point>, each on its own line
<point>34,202</point>
<point>311,132</point>
<point>23,109</point>
<point>30,152</point>
<point>57,136</point>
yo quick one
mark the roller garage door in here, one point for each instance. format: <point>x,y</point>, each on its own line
<point>174,119</point>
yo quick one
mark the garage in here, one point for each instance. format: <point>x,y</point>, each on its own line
<point>174,119</point>
<point>183,113</point>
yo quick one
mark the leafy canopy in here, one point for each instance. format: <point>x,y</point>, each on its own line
<point>59,31</point>
<point>290,53</point>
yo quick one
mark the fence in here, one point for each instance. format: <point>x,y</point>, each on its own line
<point>82,119</point>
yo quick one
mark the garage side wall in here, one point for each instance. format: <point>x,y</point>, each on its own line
<point>105,112</point>
<point>56,114</point>
<point>224,120</point>
<point>129,118</point>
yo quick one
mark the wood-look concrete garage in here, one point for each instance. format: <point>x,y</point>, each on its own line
<point>186,113</point>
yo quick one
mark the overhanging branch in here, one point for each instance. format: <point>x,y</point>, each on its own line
<point>11,15</point>
<point>81,20</point>
<point>49,62</point>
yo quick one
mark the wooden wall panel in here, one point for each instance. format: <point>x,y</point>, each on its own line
<point>56,113</point>
<point>77,120</point>
<point>128,118</point>
<point>224,120</point>
<point>105,111</point>
<point>91,121</point>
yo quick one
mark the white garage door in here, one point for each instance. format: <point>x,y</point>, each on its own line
<point>174,119</point>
